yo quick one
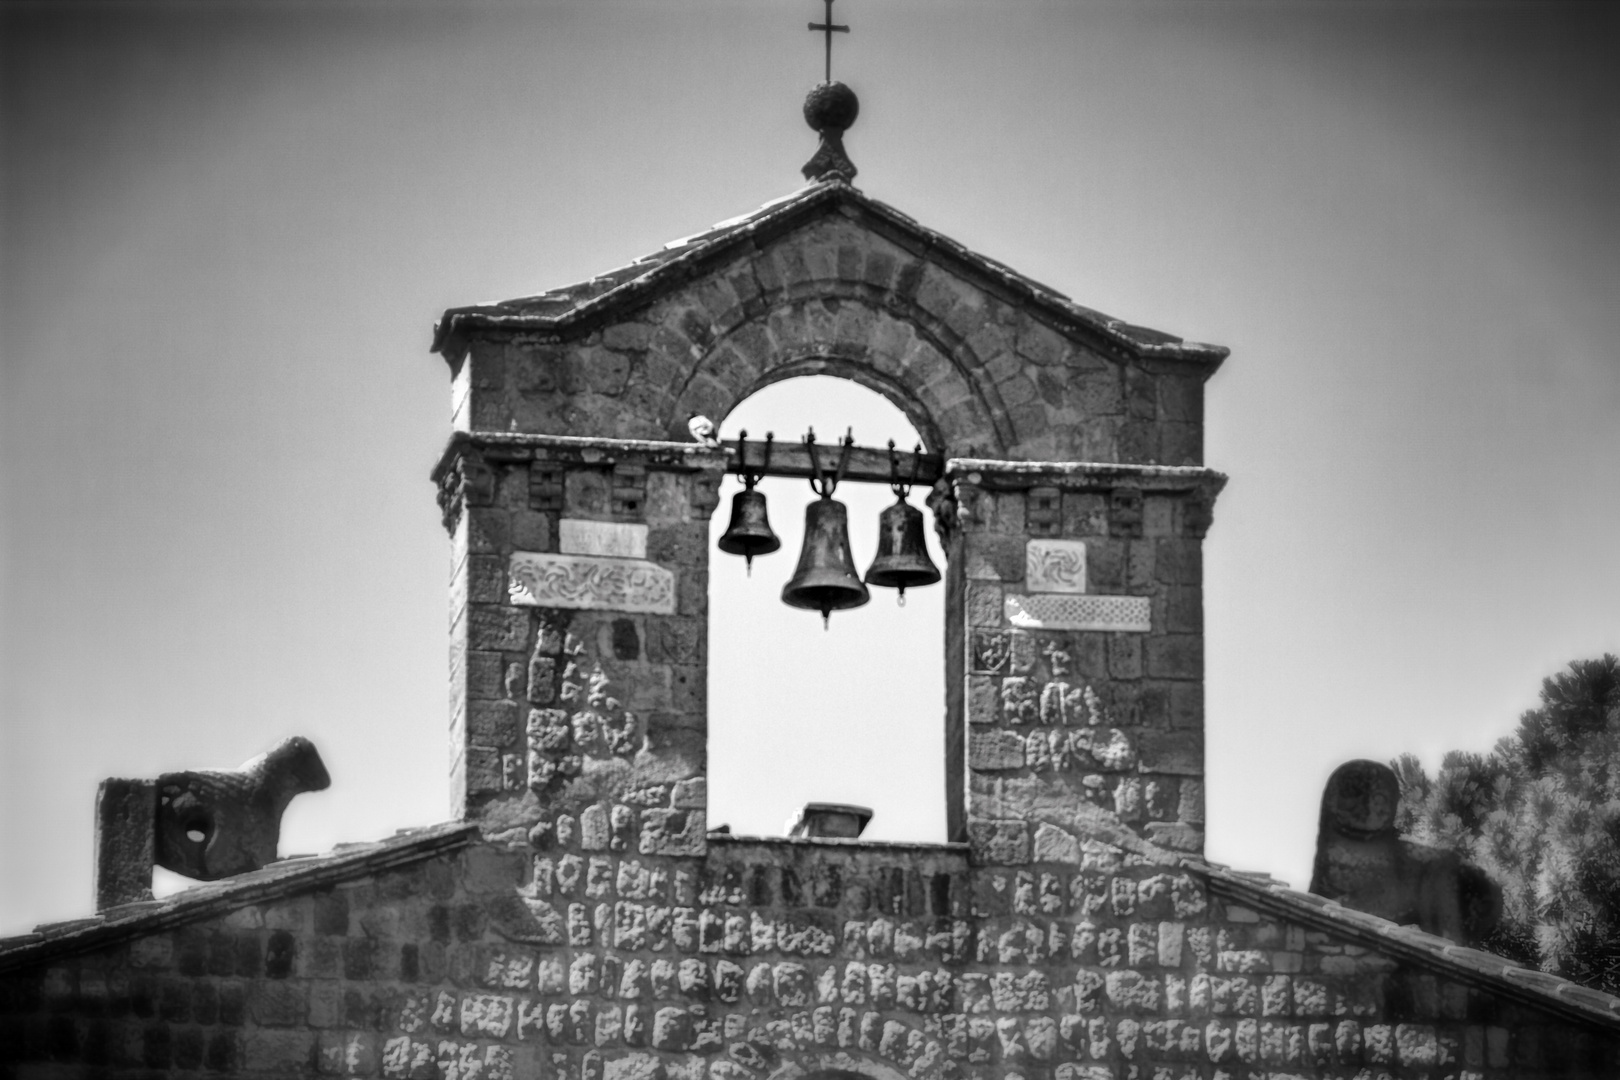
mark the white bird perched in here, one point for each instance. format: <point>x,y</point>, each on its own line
<point>702,429</point>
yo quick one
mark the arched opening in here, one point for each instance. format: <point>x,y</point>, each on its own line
<point>850,714</point>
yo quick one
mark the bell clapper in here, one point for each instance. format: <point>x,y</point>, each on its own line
<point>900,597</point>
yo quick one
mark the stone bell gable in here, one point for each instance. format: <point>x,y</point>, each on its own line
<point>1070,499</point>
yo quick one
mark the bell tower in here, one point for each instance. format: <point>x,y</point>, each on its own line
<point>1064,454</point>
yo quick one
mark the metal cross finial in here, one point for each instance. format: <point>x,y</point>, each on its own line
<point>829,28</point>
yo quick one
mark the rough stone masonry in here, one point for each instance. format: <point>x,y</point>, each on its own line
<point>578,921</point>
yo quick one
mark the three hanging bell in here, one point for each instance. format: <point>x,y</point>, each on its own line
<point>826,579</point>
<point>902,556</point>
<point>749,533</point>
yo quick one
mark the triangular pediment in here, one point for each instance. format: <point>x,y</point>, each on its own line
<point>587,304</point>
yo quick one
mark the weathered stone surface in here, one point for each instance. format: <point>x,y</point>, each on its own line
<point>583,581</point>
<point>613,539</point>
<point>1054,845</point>
<point>1362,861</point>
<point>126,836</point>
<point>211,825</point>
<point>1120,614</point>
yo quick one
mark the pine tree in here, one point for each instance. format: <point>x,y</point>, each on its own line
<point>1540,813</point>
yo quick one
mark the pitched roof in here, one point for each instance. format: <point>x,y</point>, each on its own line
<point>586,303</point>
<point>285,877</point>
<point>1472,967</point>
<point>1486,971</point>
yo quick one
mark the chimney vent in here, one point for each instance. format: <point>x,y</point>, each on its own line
<point>830,820</point>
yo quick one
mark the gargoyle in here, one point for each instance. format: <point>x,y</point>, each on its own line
<point>203,824</point>
<point>1363,863</point>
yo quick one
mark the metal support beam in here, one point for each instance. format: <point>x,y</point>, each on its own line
<point>867,465</point>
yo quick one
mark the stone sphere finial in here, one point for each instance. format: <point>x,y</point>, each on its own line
<point>831,106</point>
<point>830,109</point>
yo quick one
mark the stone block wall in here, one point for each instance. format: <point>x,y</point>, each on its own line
<point>579,636</point>
<point>776,959</point>
<point>579,630</point>
<point>1082,653</point>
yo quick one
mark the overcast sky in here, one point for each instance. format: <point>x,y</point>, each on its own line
<point>228,229</point>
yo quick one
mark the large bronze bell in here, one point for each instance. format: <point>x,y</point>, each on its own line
<point>826,580</point>
<point>749,533</point>
<point>902,556</point>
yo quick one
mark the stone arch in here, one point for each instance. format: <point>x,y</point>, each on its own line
<point>762,743</point>
<point>850,331</point>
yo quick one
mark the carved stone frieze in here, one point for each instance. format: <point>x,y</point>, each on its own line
<point>591,582</point>
<point>1055,566</point>
<point>1057,611</point>
<point>612,539</point>
<point>465,479</point>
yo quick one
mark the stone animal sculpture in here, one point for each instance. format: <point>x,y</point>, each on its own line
<point>205,825</point>
<point>1363,862</point>
<point>212,825</point>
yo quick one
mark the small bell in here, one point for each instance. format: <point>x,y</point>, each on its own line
<point>902,556</point>
<point>749,533</point>
<point>826,580</point>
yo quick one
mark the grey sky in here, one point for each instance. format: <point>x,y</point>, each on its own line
<point>227,230</point>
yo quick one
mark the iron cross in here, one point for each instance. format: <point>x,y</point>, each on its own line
<point>829,28</point>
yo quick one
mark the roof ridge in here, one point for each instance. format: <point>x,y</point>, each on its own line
<point>1528,985</point>
<point>557,309</point>
<point>209,899</point>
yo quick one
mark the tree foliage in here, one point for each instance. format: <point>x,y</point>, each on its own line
<point>1540,813</point>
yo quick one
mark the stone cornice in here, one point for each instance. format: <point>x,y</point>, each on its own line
<point>496,446</point>
<point>1082,475</point>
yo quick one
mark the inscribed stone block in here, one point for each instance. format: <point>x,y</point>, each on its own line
<point>1055,566</point>
<point>590,582</point>
<point>1049,611</point>
<point>990,652</point>
<point>622,540</point>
